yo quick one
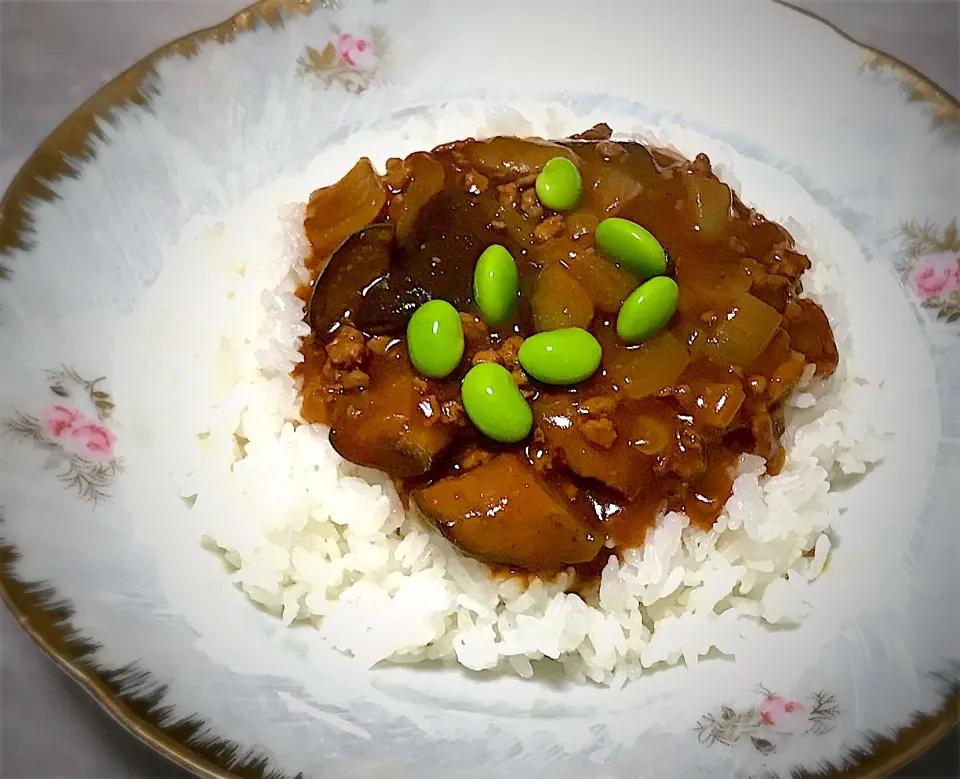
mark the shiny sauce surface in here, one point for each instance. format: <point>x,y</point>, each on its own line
<point>660,426</point>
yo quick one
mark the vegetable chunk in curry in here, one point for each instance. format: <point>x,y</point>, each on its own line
<point>660,424</point>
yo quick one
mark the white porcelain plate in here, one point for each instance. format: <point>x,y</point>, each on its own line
<point>860,158</point>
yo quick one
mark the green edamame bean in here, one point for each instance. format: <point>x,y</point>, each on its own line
<point>566,356</point>
<point>435,339</point>
<point>632,246</point>
<point>559,184</point>
<point>494,404</point>
<point>496,284</point>
<point>648,309</point>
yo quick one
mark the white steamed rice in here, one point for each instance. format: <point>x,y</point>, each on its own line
<point>314,538</point>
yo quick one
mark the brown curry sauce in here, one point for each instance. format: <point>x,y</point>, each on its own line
<point>659,426</point>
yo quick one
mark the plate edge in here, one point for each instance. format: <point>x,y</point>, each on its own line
<point>46,617</point>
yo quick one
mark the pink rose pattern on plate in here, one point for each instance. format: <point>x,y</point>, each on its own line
<point>931,268</point>
<point>936,275</point>
<point>81,444</point>
<point>77,435</point>
<point>349,60</point>
<point>782,715</point>
<point>772,724</point>
<point>59,419</point>
<point>356,52</point>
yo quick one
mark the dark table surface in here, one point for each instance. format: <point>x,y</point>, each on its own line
<point>54,54</point>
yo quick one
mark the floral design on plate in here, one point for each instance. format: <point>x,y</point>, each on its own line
<point>79,442</point>
<point>352,61</point>
<point>932,267</point>
<point>770,725</point>
<point>944,113</point>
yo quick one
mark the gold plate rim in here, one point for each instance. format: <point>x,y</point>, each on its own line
<point>46,619</point>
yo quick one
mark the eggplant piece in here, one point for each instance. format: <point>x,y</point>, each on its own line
<point>506,158</point>
<point>810,334</point>
<point>619,466</point>
<point>613,179</point>
<point>360,264</point>
<point>637,159</point>
<point>426,177</point>
<point>388,429</point>
<point>451,231</point>
<point>503,512</point>
<point>389,305</point>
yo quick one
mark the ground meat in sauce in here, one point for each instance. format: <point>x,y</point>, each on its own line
<point>346,348</point>
<point>658,427</point>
